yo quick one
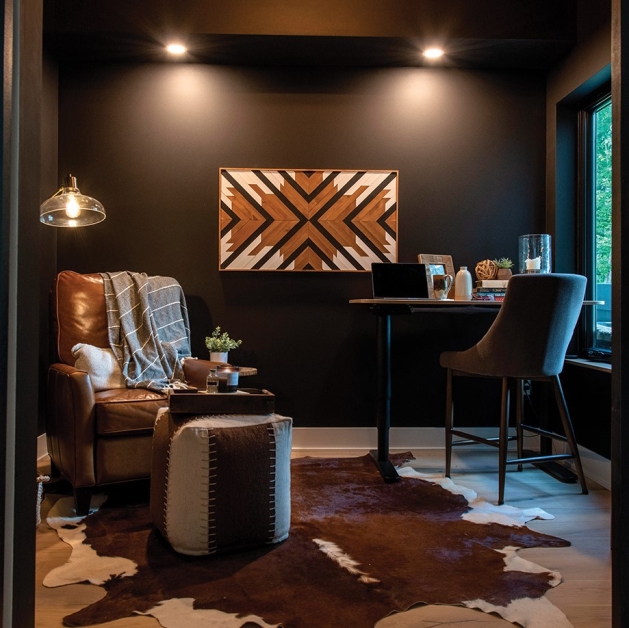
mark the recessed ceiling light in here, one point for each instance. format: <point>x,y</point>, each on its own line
<point>176,49</point>
<point>433,53</point>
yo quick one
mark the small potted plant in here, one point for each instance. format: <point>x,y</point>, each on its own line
<point>504,265</point>
<point>219,344</point>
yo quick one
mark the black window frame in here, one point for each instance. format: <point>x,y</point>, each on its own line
<point>586,205</point>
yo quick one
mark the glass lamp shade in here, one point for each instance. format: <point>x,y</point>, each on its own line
<point>69,208</point>
<point>534,253</point>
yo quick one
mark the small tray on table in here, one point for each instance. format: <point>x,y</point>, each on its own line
<point>244,401</point>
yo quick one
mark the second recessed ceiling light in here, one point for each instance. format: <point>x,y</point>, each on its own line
<point>433,53</point>
<point>176,49</point>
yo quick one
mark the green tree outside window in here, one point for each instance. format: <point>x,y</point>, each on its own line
<point>603,193</point>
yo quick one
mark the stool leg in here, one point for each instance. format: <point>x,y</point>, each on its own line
<point>503,439</point>
<point>519,412</point>
<point>449,421</point>
<point>569,431</point>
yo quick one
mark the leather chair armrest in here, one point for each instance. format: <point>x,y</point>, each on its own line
<point>195,371</point>
<point>70,424</point>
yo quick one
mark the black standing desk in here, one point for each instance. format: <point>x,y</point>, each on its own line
<point>384,309</point>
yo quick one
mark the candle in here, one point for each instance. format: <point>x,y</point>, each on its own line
<point>533,264</point>
<point>228,378</point>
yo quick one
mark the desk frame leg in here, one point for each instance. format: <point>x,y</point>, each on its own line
<point>383,401</point>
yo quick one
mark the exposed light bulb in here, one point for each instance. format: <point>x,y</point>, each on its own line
<point>72,207</point>
<point>433,53</point>
<point>69,208</point>
<point>176,49</point>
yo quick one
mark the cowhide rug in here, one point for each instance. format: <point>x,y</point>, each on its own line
<point>358,550</point>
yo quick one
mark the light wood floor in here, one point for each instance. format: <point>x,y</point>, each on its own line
<point>584,595</point>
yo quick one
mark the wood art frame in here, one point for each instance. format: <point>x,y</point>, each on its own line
<point>436,265</point>
<point>308,220</point>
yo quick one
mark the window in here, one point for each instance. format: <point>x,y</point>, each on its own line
<point>596,220</point>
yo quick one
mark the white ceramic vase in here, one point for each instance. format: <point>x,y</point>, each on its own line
<point>216,356</point>
<point>463,285</point>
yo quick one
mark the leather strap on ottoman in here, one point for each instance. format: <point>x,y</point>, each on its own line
<point>221,482</point>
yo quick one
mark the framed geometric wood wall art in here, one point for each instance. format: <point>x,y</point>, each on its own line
<point>307,220</point>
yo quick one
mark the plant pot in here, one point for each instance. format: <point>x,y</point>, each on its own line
<point>219,356</point>
<point>504,273</point>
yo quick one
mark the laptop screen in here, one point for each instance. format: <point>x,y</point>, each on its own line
<point>399,281</point>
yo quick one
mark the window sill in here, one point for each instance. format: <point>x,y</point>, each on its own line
<point>590,364</point>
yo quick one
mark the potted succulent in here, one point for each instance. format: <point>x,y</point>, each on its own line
<point>219,344</point>
<point>504,265</point>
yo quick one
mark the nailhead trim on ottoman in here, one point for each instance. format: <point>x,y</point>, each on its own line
<point>221,482</point>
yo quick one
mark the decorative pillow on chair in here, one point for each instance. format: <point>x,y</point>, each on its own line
<point>100,364</point>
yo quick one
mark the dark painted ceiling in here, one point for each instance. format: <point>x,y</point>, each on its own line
<point>525,34</point>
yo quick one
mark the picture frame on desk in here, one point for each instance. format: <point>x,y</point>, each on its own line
<point>436,265</point>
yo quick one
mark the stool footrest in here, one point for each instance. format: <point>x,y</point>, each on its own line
<point>541,458</point>
<point>542,432</point>
<point>473,439</point>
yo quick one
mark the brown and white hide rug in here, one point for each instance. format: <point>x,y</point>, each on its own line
<point>358,550</point>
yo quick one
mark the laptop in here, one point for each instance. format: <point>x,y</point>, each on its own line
<point>399,281</point>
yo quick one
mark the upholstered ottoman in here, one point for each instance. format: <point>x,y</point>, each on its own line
<point>221,482</point>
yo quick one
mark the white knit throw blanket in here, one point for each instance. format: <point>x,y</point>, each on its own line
<point>149,331</point>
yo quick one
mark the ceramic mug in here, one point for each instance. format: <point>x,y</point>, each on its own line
<point>441,285</point>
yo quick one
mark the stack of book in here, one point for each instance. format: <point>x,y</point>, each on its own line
<point>490,289</point>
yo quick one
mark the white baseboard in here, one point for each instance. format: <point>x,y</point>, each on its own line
<point>361,438</point>
<point>595,467</point>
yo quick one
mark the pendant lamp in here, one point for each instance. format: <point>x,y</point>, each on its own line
<point>69,208</point>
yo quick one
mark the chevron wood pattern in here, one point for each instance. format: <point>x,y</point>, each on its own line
<point>307,220</point>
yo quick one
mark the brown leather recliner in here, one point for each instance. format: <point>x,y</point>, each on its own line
<point>96,438</point>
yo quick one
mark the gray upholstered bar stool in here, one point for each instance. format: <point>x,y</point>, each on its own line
<point>527,341</point>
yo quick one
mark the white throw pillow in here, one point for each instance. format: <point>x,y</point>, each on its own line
<point>101,364</point>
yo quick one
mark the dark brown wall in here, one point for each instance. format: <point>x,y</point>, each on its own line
<point>148,140</point>
<point>581,73</point>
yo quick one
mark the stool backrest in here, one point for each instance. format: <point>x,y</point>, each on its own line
<point>531,333</point>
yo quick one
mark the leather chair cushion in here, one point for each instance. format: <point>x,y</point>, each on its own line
<point>81,315</point>
<point>127,411</point>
